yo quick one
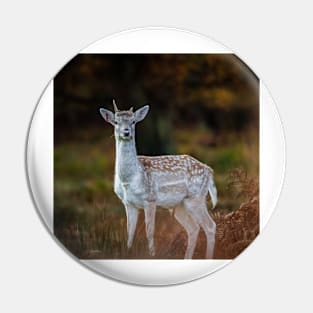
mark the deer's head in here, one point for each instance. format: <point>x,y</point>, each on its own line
<point>124,121</point>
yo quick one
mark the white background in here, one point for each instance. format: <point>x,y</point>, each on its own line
<point>37,38</point>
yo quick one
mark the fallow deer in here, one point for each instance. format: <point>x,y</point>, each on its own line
<point>178,182</point>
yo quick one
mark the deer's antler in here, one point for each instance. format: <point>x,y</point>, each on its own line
<point>115,106</point>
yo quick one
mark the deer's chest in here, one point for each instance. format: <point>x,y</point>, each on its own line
<point>133,192</point>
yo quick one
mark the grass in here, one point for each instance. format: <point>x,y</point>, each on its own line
<point>90,220</point>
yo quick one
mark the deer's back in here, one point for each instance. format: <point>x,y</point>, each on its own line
<point>174,163</point>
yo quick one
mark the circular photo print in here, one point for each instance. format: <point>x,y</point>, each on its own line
<point>155,156</point>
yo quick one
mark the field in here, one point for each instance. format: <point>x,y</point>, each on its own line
<point>90,220</point>
<point>204,105</point>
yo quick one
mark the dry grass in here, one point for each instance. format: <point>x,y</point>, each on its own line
<point>105,236</point>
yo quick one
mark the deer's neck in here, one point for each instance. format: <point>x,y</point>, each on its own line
<point>127,164</point>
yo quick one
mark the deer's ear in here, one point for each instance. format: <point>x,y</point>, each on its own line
<point>141,113</point>
<point>107,115</point>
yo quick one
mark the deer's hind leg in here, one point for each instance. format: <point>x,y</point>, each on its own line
<point>197,208</point>
<point>192,228</point>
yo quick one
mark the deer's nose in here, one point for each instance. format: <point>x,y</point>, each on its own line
<point>126,132</point>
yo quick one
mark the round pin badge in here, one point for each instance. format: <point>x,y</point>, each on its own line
<point>155,156</point>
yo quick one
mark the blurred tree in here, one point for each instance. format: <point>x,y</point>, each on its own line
<point>217,90</point>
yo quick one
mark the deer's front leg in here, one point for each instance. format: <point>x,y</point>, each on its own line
<point>150,209</point>
<point>132,217</point>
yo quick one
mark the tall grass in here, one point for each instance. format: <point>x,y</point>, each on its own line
<point>90,220</point>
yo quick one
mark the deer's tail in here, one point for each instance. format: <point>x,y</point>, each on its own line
<point>212,190</point>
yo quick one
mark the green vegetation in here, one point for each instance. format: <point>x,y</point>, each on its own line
<point>205,105</point>
<point>89,218</point>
